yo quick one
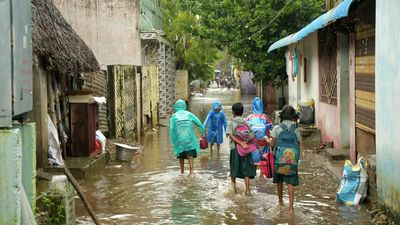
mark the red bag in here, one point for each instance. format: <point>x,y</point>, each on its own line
<point>267,164</point>
<point>203,143</point>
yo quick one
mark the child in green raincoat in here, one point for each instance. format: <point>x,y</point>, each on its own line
<point>182,135</point>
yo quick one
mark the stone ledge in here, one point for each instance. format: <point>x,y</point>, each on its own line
<point>337,154</point>
<point>311,137</point>
<point>82,167</point>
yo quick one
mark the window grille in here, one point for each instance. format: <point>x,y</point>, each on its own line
<point>327,65</point>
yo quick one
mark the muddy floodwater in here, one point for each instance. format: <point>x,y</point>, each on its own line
<point>151,190</point>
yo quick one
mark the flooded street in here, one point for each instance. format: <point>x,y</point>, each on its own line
<point>151,190</point>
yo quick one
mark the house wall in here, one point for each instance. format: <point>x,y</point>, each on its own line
<point>309,70</point>
<point>11,175</point>
<point>110,28</point>
<point>387,102</point>
<point>98,83</point>
<point>305,85</point>
<point>343,90</point>
<point>17,171</point>
<point>293,85</point>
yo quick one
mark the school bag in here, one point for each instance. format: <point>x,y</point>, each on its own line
<point>287,151</point>
<point>260,125</point>
<point>267,164</point>
<point>244,133</point>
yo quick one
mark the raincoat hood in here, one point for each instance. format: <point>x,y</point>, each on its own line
<point>216,123</point>
<point>179,105</point>
<point>217,105</point>
<point>258,106</point>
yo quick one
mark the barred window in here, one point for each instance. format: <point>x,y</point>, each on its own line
<point>327,65</point>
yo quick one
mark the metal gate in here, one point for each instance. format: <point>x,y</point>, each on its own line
<point>122,101</point>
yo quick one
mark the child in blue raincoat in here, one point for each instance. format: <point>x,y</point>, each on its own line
<point>182,135</point>
<point>216,123</point>
<point>260,124</point>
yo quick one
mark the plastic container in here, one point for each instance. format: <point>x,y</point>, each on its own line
<point>306,109</point>
<point>125,152</point>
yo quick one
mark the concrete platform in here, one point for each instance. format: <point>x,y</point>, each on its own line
<point>311,136</point>
<point>337,154</point>
<point>81,167</point>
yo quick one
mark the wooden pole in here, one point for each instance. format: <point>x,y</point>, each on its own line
<point>81,195</point>
<point>59,120</point>
<point>50,98</point>
<point>64,100</point>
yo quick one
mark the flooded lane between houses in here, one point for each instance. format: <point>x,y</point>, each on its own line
<point>151,190</point>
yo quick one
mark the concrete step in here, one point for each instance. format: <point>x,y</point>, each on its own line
<point>311,136</point>
<point>82,167</point>
<point>337,153</point>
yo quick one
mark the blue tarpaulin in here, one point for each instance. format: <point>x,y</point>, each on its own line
<point>331,16</point>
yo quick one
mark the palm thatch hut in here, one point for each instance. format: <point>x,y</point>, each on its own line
<point>56,45</point>
<point>61,60</point>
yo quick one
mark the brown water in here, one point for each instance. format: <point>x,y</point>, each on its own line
<point>151,190</point>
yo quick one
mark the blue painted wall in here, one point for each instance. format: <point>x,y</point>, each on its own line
<point>150,15</point>
<point>388,102</point>
<point>10,176</point>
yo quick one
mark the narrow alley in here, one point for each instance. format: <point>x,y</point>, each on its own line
<point>151,190</point>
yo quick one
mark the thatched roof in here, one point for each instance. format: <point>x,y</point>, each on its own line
<point>54,42</point>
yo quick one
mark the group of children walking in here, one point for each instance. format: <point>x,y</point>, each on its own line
<point>250,140</point>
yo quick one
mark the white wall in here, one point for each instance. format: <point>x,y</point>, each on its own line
<point>110,28</point>
<point>310,88</point>
<point>387,84</point>
<point>292,84</point>
<point>298,89</point>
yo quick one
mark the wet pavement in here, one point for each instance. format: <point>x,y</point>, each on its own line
<point>151,190</point>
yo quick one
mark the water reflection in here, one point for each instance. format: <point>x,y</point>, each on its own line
<point>153,191</point>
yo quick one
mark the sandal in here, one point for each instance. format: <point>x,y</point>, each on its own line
<point>247,194</point>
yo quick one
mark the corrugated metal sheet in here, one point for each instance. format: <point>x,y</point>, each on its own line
<point>331,16</point>
<point>365,77</point>
<point>22,56</point>
<point>15,59</point>
<point>5,64</point>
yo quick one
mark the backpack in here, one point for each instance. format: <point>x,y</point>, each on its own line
<point>260,125</point>
<point>244,133</point>
<point>267,164</point>
<point>287,151</point>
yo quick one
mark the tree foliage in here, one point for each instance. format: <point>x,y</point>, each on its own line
<point>246,28</point>
<point>183,28</point>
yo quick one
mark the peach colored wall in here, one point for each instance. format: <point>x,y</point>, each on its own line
<point>328,123</point>
<point>110,28</point>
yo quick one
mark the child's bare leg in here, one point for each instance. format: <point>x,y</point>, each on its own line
<point>190,165</point>
<point>233,180</point>
<point>182,164</point>
<point>247,183</point>
<point>211,149</point>
<point>218,147</point>
<point>261,174</point>
<point>280,193</point>
<point>291,197</point>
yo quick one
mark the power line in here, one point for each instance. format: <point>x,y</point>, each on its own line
<point>270,22</point>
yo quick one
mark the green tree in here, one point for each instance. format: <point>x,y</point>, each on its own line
<point>193,52</point>
<point>248,27</point>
